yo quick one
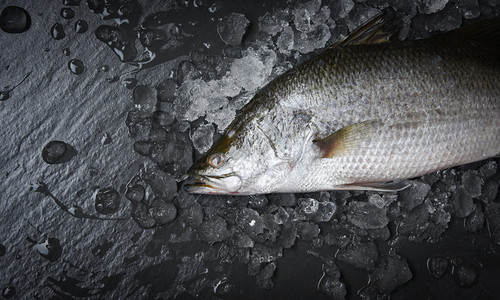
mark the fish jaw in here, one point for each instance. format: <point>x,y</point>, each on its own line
<point>227,184</point>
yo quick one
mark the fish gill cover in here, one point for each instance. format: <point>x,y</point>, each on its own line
<point>106,104</point>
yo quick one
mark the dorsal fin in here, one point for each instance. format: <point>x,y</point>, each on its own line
<point>485,33</point>
<point>371,32</point>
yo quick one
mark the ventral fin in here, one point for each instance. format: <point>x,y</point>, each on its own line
<point>347,140</point>
<point>393,186</point>
<point>371,32</point>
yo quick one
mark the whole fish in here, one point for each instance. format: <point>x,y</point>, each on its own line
<point>364,115</point>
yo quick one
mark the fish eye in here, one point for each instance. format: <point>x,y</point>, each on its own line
<point>215,160</point>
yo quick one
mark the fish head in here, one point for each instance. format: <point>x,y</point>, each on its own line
<point>236,164</point>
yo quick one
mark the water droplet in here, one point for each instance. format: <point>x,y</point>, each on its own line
<point>3,250</point>
<point>8,291</point>
<point>4,95</point>
<point>71,2</point>
<point>14,19</point>
<point>81,26</point>
<point>121,41</point>
<point>57,31</point>
<point>56,152</point>
<point>105,68</point>
<point>67,13</point>
<point>130,83</point>
<point>76,66</point>
<point>66,51</point>
<point>107,201</point>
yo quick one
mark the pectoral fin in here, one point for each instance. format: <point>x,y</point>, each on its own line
<point>347,140</point>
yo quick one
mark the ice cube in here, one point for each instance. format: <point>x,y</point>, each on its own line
<point>367,216</point>
<point>391,272</point>
<point>464,273</point>
<point>250,221</point>
<point>470,8</point>
<point>414,195</point>
<point>359,254</point>
<point>490,191</point>
<point>492,214</point>
<point>437,266</point>
<point>163,212</point>
<point>472,183</point>
<point>340,9</point>
<point>488,170</point>
<point>232,28</point>
<point>213,230</point>
<point>462,203</point>
<point>264,276</point>
<point>308,231</point>
<point>315,39</point>
<point>192,215</point>
<point>474,222</point>
<point>332,288</point>
<point>203,137</point>
<point>288,235</point>
<point>270,24</point>
<point>431,6</point>
<point>285,40</point>
<point>359,15</point>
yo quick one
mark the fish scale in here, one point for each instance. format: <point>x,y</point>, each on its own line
<point>362,114</point>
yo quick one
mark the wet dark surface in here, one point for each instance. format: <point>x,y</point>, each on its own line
<point>106,104</point>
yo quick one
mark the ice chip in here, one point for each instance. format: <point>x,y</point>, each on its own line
<point>308,231</point>
<point>232,28</point>
<point>488,169</point>
<point>264,276</point>
<point>437,266</point>
<point>326,210</point>
<point>391,272</point>
<point>269,24</point>
<point>213,230</point>
<point>192,215</point>
<point>332,288</point>
<point>307,207</point>
<point>312,40</point>
<point>367,216</point>
<point>490,191</point>
<point>163,212</point>
<point>145,98</point>
<point>359,15</point>
<point>472,183</point>
<point>288,235</point>
<point>464,273</point>
<point>474,222</point>
<point>470,8</point>
<point>250,221</point>
<point>341,8</point>
<point>140,214</point>
<point>414,195</point>
<point>359,254</point>
<point>492,214</point>
<point>285,40</point>
<point>431,6</point>
<point>203,137</point>
<point>462,203</point>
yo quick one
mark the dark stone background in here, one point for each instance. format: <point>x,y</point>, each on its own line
<point>106,104</point>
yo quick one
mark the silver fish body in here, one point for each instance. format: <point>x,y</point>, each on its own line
<point>359,115</point>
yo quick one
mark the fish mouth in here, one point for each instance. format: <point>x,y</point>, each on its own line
<point>211,184</point>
